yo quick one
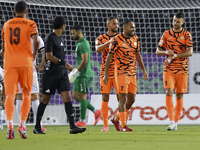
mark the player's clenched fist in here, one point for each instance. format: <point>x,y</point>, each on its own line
<point>72,75</point>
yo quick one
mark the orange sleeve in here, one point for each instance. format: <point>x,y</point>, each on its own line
<point>98,41</point>
<point>162,43</point>
<point>138,45</point>
<point>188,37</point>
<point>2,33</point>
<point>33,28</point>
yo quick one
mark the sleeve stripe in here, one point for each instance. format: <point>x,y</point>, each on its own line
<point>34,34</point>
<point>41,49</point>
<point>33,24</point>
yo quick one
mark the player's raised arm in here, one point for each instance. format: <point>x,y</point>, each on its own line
<point>160,51</point>
<point>100,48</point>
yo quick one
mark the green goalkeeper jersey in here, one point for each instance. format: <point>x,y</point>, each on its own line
<point>83,47</point>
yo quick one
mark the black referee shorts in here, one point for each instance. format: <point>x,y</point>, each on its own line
<point>55,78</point>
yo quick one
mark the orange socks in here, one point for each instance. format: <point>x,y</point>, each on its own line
<point>117,118</point>
<point>104,113</point>
<point>26,105</point>
<point>178,109</point>
<point>170,107</point>
<point>10,106</point>
<point>122,116</point>
<point>126,114</point>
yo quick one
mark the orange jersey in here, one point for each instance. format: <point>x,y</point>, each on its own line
<point>99,41</point>
<point>16,35</point>
<point>178,42</point>
<point>124,54</point>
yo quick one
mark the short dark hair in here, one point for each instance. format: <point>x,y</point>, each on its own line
<point>58,21</point>
<point>110,18</point>
<point>126,22</point>
<point>77,28</point>
<point>20,7</point>
<point>179,15</point>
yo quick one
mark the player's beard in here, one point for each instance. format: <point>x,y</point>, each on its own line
<point>131,33</point>
<point>76,37</point>
<point>63,31</point>
<point>115,31</point>
<point>177,27</point>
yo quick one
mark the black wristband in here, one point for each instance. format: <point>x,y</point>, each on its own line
<point>61,62</point>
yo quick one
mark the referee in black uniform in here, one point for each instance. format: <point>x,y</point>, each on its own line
<point>55,76</point>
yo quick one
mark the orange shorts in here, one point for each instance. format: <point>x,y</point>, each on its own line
<point>127,84</point>
<point>13,75</point>
<point>178,82</point>
<point>106,88</point>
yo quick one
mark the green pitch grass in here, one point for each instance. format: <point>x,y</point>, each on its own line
<point>142,138</point>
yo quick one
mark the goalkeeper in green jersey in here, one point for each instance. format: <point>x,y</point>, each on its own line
<point>81,76</point>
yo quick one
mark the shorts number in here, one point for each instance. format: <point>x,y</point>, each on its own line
<point>101,88</point>
<point>165,83</point>
<point>15,33</point>
<point>122,87</point>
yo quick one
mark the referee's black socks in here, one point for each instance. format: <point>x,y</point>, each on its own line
<point>70,114</point>
<point>40,113</point>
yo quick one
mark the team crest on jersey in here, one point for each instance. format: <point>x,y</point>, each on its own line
<point>181,37</point>
<point>135,43</point>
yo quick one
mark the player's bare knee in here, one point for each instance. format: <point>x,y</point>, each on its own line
<point>105,97</point>
<point>45,100</point>
<point>179,95</point>
<point>34,96</point>
<point>67,99</point>
<point>131,100</point>
<point>169,92</point>
<point>75,97</point>
<point>19,96</point>
<point>122,99</point>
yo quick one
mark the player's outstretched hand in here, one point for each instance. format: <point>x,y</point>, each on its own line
<point>72,75</point>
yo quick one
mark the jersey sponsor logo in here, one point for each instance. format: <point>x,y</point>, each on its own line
<point>61,44</point>
<point>47,91</point>
<point>135,43</point>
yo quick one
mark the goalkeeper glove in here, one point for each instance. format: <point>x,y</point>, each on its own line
<point>72,75</point>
